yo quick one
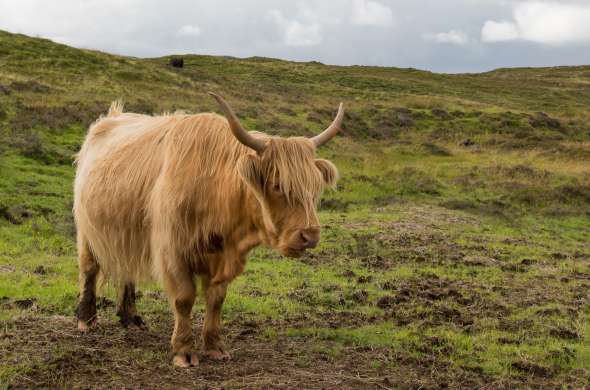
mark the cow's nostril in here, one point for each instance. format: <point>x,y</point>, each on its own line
<point>304,238</point>
<point>309,238</point>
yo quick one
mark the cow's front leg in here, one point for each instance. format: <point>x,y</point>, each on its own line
<point>181,291</point>
<point>211,334</point>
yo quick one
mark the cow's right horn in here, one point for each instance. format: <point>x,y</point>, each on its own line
<point>239,132</point>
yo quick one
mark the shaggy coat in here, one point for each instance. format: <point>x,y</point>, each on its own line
<point>175,196</point>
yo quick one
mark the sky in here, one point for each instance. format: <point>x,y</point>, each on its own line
<point>438,35</point>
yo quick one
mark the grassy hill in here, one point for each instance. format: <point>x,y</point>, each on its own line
<point>455,251</point>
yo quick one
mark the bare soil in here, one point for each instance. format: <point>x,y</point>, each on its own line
<point>112,357</point>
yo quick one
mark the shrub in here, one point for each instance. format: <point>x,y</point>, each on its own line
<point>411,181</point>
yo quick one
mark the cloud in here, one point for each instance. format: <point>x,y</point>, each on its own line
<point>499,31</point>
<point>189,31</point>
<point>371,13</point>
<point>549,23</point>
<point>296,33</point>
<point>344,32</point>
<point>455,37</point>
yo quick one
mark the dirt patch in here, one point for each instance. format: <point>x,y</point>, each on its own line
<point>360,296</point>
<point>565,333</point>
<point>387,124</point>
<point>432,301</point>
<point>23,304</point>
<point>57,117</point>
<point>16,215</point>
<point>540,119</point>
<point>49,353</point>
<point>389,301</point>
<point>29,86</point>
<point>532,368</point>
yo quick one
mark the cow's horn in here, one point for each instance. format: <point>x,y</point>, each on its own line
<point>236,128</point>
<point>331,131</point>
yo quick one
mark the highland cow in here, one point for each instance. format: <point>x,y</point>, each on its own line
<point>184,197</point>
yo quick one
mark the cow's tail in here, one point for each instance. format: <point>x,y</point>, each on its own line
<point>116,108</point>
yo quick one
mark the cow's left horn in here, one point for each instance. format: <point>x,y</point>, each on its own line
<point>331,131</point>
<point>239,132</point>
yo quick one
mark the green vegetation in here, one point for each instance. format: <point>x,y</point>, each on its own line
<point>455,251</point>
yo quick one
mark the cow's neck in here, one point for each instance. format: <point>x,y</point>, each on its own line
<point>251,228</point>
<point>248,228</point>
<point>246,234</point>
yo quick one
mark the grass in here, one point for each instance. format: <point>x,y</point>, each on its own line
<point>454,252</point>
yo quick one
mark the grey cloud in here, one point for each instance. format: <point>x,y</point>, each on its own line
<point>428,34</point>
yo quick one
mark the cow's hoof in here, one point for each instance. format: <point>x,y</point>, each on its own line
<point>85,326</point>
<point>219,355</point>
<point>185,360</point>
<point>139,322</point>
<point>133,320</point>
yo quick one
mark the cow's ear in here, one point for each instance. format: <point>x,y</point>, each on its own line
<point>328,171</point>
<point>250,168</point>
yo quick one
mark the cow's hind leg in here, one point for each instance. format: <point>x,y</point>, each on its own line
<point>182,292</point>
<point>211,334</point>
<point>126,309</point>
<point>86,311</point>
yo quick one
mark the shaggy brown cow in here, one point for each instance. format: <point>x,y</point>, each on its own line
<point>179,196</point>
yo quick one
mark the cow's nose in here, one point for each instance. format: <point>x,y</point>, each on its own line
<point>310,237</point>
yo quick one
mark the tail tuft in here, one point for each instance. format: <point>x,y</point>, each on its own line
<point>116,108</point>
